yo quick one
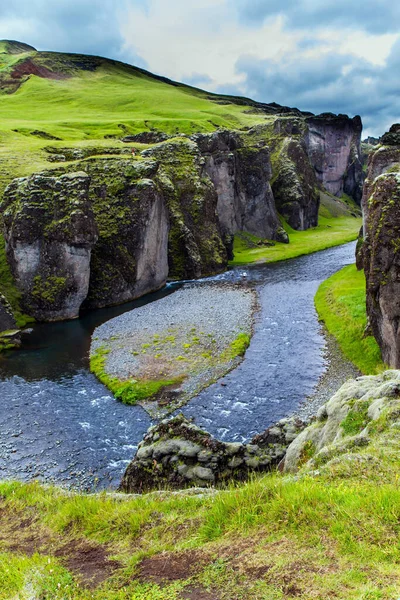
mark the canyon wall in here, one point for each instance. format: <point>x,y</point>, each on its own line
<point>379,252</point>
<point>104,230</point>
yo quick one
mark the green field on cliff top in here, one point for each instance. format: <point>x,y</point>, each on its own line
<point>82,99</point>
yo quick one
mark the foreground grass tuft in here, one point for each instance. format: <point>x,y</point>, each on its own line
<point>340,303</point>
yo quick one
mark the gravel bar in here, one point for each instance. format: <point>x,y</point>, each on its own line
<point>187,334</point>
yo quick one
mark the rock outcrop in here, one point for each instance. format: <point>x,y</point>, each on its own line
<point>50,231</point>
<point>103,230</point>
<point>379,254</point>
<point>347,424</point>
<point>241,173</point>
<point>178,454</point>
<point>7,320</point>
<point>333,144</point>
<point>295,185</point>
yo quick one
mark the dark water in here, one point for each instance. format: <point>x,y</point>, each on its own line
<point>58,423</point>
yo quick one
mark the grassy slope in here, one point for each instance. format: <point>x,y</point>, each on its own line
<point>273,538</point>
<point>336,226</point>
<point>340,302</point>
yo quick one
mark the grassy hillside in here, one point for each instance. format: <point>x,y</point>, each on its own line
<point>66,99</point>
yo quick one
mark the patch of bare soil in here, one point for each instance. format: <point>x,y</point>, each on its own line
<point>28,67</point>
<point>89,562</point>
<point>23,535</point>
<point>172,566</point>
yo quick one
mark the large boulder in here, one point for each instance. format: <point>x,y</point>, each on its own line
<point>359,410</point>
<point>379,254</point>
<point>50,231</point>
<point>178,454</point>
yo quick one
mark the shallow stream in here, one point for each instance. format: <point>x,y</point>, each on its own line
<point>59,424</point>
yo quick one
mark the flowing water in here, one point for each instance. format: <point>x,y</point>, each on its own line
<point>59,424</point>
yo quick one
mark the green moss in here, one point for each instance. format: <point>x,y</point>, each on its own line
<point>356,419</point>
<point>129,392</point>
<point>239,346</point>
<point>307,452</point>
<point>48,289</point>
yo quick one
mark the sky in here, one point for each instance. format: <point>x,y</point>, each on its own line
<point>340,56</point>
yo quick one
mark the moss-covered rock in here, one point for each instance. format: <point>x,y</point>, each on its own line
<point>380,251</point>
<point>349,423</point>
<point>178,454</point>
<point>49,232</point>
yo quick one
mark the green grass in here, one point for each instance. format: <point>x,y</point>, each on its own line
<point>257,541</point>
<point>340,303</point>
<point>131,391</point>
<point>330,232</point>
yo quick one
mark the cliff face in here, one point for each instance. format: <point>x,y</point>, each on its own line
<point>110,229</point>
<point>7,320</point>
<point>380,251</point>
<point>49,232</point>
<point>241,174</point>
<point>333,144</point>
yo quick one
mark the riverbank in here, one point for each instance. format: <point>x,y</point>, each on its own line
<point>164,353</point>
<point>340,303</point>
<point>329,233</point>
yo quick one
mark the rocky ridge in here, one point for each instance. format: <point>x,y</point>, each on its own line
<point>357,425</point>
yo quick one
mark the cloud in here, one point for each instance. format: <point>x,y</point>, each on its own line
<point>334,55</point>
<point>328,82</point>
<point>367,15</point>
<point>82,26</point>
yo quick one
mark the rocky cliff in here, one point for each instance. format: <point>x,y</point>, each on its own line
<point>108,230</point>
<point>7,320</point>
<point>333,144</point>
<point>379,254</point>
<point>103,230</point>
<point>50,232</point>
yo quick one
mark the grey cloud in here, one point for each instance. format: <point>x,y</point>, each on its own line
<point>321,85</point>
<point>370,15</point>
<point>82,26</point>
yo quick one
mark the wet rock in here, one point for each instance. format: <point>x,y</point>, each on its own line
<point>177,454</point>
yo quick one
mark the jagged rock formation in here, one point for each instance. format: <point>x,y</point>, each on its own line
<point>50,231</point>
<point>333,144</point>
<point>118,228</point>
<point>294,184</point>
<point>346,425</point>
<point>241,174</point>
<point>7,320</point>
<point>178,454</point>
<point>379,254</point>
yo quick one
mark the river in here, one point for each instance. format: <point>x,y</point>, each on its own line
<point>60,425</point>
